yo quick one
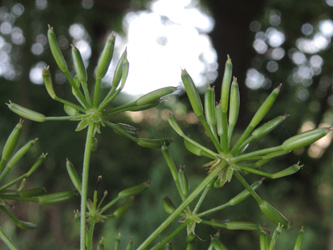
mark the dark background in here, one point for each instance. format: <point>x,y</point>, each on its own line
<point>305,198</point>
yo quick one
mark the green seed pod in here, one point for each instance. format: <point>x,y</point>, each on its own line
<point>225,90</point>
<point>304,139</point>
<point>79,67</point>
<point>268,127</point>
<point>265,107</point>
<point>235,225</point>
<point>171,164</point>
<point>124,72</point>
<point>20,153</point>
<point>299,240</point>
<point>144,106</point>
<point>264,241</point>
<point>117,242</point>
<point>197,149</point>
<point>218,114</point>
<point>105,57</point>
<point>275,236</point>
<point>273,214</point>
<point>26,113</point>
<point>48,82</point>
<point>132,191</point>
<point>130,243</point>
<point>69,110</point>
<point>118,71</point>
<point>34,167</point>
<point>21,224</point>
<point>183,181</point>
<point>123,208</point>
<point>192,93</point>
<point>32,192</point>
<point>234,107</point>
<point>155,95</point>
<point>173,123</point>
<point>210,107</point>
<point>244,194</point>
<point>56,52</point>
<point>217,244</point>
<point>73,175</point>
<point>168,205</point>
<point>288,171</point>
<point>101,244</point>
<point>152,143</point>
<point>11,142</point>
<point>55,198</point>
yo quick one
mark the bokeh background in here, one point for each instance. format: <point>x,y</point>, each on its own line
<point>270,42</point>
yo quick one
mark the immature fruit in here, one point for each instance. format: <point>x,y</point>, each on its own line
<point>105,57</point>
<point>79,65</point>
<point>56,52</point>
<point>132,191</point>
<point>12,141</point>
<point>26,113</point>
<point>48,83</point>
<point>192,93</point>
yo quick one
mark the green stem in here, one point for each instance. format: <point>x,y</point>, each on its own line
<point>96,92</point>
<point>85,174</point>
<point>70,104</point>
<point>7,241</point>
<point>202,197</point>
<point>247,186</point>
<point>184,204</point>
<point>65,118</point>
<point>80,96</point>
<point>210,133</point>
<point>213,210</point>
<point>86,92</point>
<point>110,204</point>
<point>90,236</point>
<point>170,236</point>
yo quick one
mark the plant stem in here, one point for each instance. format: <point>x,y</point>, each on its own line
<point>184,204</point>
<point>7,241</point>
<point>85,174</point>
<point>90,236</point>
<point>170,236</point>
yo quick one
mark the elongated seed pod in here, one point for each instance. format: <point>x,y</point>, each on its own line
<point>218,114</point>
<point>265,107</point>
<point>105,57</point>
<point>299,240</point>
<point>118,71</point>
<point>132,191</point>
<point>32,192</point>
<point>173,123</point>
<point>234,225</point>
<point>48,82</point>
<point>21,224</point>
<point>264,240</point>
<point>152,143</point>
<point>268,126</point>
<point>198,149</point>
<point>123,208</point>
<point>11,141</point>
<point>244,194</point>
<point>234,107</point>
<point>225,90</point>
<point>169,160</point>
<point>275,236</point>
<point>273,214</point>
<point>124,72</point>
<point>20,153</point>
<point>79,67</point>
<point>192,93</point>
<point>210,107</point>
<point>69,110</point>
<point>56,52</point>
<point>55,198</point>
<point>73,175</point>
<point>101,244</point>
<point>183,181</point>
<point>36,165</point>
<point>288,171</point>
<point>26,113</point>
<point>168,205</point>
<point>304,139</point>
<point>144,106</point>
<point>155,95</point>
